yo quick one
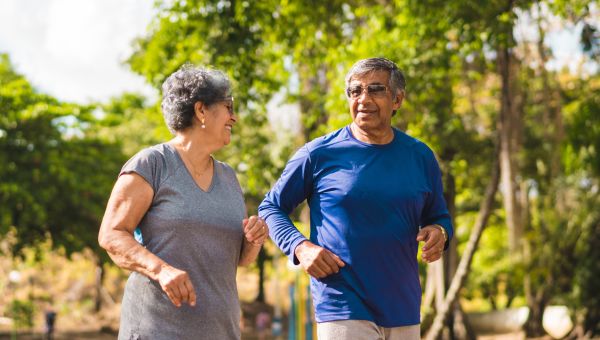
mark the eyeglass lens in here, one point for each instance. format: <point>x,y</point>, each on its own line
<point>372,89</point>
<point>229,104</point>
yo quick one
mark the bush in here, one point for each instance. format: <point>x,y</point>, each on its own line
<point>22,313</point>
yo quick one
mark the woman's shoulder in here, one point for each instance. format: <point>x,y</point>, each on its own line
<point>156,154</point>
<point>224,167</point>
<point>155,163</point>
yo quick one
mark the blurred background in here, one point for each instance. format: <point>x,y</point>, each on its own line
<point>506,92</point>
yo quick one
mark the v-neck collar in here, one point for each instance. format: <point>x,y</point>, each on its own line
<point>213,180</point>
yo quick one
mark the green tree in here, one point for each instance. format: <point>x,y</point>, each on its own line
<point>244,41</point>
<point>579,200</point>
<point>467,85</point>
<point>55,180</point>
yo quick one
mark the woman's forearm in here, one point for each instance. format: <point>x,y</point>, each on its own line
<point>128,254</point>
<point>249,253</point>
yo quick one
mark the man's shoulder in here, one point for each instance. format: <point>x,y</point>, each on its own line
<point>415,144</point>
<point>326,141</point>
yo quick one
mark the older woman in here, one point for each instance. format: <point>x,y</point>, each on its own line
<point>190,210</point>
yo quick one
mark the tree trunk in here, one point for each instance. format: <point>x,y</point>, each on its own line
<point>508,128</point>
<point>429,294</point>
<point>536,293</point>
<point>99,281</point>
<point>462,328</point>
<point>457,324</point>
<point>465,262</point>
<point>260,261</point>
<point>537,303</point>
<point>451,257</point>
<point>551,117</point>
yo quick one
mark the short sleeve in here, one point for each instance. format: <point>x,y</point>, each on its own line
<point>231,176</point>
<point>148,163</point>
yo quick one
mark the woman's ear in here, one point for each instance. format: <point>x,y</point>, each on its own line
<point>199,109</point>
<point>199,113</point>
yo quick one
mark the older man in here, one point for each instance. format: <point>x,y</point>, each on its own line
<point>374,193</point>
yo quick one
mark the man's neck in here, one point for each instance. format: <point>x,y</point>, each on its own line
<point>384,136</point>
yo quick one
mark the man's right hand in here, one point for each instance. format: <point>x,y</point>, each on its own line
<point>317,261</point>
<point>177,285</point>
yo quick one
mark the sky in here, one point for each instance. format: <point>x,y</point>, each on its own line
<point>74,50</point>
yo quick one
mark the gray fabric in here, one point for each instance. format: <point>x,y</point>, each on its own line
<point>193,230</point>
<point>363,329</point>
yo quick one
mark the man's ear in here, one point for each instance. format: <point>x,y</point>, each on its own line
<point>398,99</point>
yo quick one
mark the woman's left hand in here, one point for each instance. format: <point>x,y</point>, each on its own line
<point>256,230</point>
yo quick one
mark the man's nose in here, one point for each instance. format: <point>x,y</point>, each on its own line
<point>364,97</point>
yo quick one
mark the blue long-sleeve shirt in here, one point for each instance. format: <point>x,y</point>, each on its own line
<point>367,203</point>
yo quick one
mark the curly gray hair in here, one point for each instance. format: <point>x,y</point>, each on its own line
<point>188,85</point>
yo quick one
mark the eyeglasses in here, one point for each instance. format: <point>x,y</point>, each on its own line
<point>373,90</point>
<point>228,104</point>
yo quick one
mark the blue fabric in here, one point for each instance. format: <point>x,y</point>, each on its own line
<point>137,234</point>
<point>367,203</point>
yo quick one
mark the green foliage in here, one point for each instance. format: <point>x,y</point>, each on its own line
<point>587,267</point>
<point>55,180</point>
<point>583,119</point>
<point>22,312</point>
<point>305,48</point>
<point>233,37</point>
<point>580,202</point>
<point>62,159</point>
<point>131,122</point>
<point>496,279</point>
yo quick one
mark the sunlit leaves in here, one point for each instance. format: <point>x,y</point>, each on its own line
<point>54,180</point>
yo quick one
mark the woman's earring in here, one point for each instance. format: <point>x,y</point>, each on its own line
<point>203,126</point>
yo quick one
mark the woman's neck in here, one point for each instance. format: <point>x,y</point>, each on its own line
<point>196,152</point>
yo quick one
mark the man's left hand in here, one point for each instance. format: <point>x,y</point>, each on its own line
<point>434,243</point>
<point>256,230</point>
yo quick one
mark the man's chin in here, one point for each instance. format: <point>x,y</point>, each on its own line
<point>364,122</point>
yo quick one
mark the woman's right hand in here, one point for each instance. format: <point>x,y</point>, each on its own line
<point>177,285</point>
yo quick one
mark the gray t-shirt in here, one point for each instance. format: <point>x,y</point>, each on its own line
<point>193,230</point>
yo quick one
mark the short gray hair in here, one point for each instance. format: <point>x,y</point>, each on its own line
<point>364,66</point>
<point>188,85</point>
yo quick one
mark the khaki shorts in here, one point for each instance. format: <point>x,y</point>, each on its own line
<point>365,330</point>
